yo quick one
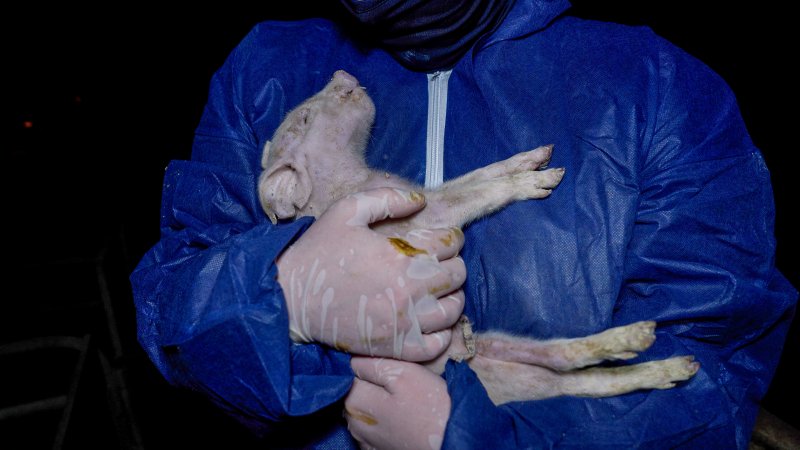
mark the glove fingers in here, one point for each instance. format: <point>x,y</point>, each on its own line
<point>364,208</point>
<point>359,404</point>
<point>443,243</point>
<point>452,277</point>
<point>427,276</point>
<point>378,371</point>
<point>435,314</point>
<point>425,347</point>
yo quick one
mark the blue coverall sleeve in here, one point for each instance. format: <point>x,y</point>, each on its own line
<point>700,262</point>
<point>211,314</point>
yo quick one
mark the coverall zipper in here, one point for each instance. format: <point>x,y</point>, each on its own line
<point>437,116</point>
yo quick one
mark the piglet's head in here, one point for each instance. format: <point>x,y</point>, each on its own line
<point>324,133</point>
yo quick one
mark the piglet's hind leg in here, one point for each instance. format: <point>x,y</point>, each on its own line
<point>509,381</point>
<point>608,381</point>
<point>617,343</point>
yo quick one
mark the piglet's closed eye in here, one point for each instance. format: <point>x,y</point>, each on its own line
<point>284,187</point>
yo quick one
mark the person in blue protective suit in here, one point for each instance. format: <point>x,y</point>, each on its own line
<point>665,214</point>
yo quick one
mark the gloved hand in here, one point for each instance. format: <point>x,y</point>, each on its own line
<point>367,293</point>
<point>396,404</point>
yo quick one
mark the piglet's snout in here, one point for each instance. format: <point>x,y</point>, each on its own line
<point>345,86</point>
<point>345,79</point>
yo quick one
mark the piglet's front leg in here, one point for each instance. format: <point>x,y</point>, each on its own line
<point>465,202</point>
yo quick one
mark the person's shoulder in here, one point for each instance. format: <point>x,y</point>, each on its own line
<point>295,30</point>
<point>624,53</point>
<point>618,43</point>
<point>280,43</point>
<point>312,24</point>
<point>593,36</point>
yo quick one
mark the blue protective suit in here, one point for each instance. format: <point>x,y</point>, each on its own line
<point>665,213</point>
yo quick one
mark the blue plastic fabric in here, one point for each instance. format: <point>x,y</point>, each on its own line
<point>665,213</point>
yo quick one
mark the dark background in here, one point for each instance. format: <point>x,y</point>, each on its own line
<point>98,101</point>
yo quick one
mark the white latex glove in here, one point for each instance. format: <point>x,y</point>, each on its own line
<point>396,404</point>
<point>367,293</point>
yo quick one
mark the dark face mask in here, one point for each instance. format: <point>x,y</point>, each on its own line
<point>426,35</point>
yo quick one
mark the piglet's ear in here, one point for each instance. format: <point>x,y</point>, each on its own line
<point>284,189</point>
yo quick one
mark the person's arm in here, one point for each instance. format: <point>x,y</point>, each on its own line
<point>700,262</point>
<point>211,313</point>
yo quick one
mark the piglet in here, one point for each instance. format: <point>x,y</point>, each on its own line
<point>316,156</point>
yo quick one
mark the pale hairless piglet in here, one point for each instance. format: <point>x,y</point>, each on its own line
<point>316,157</point>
